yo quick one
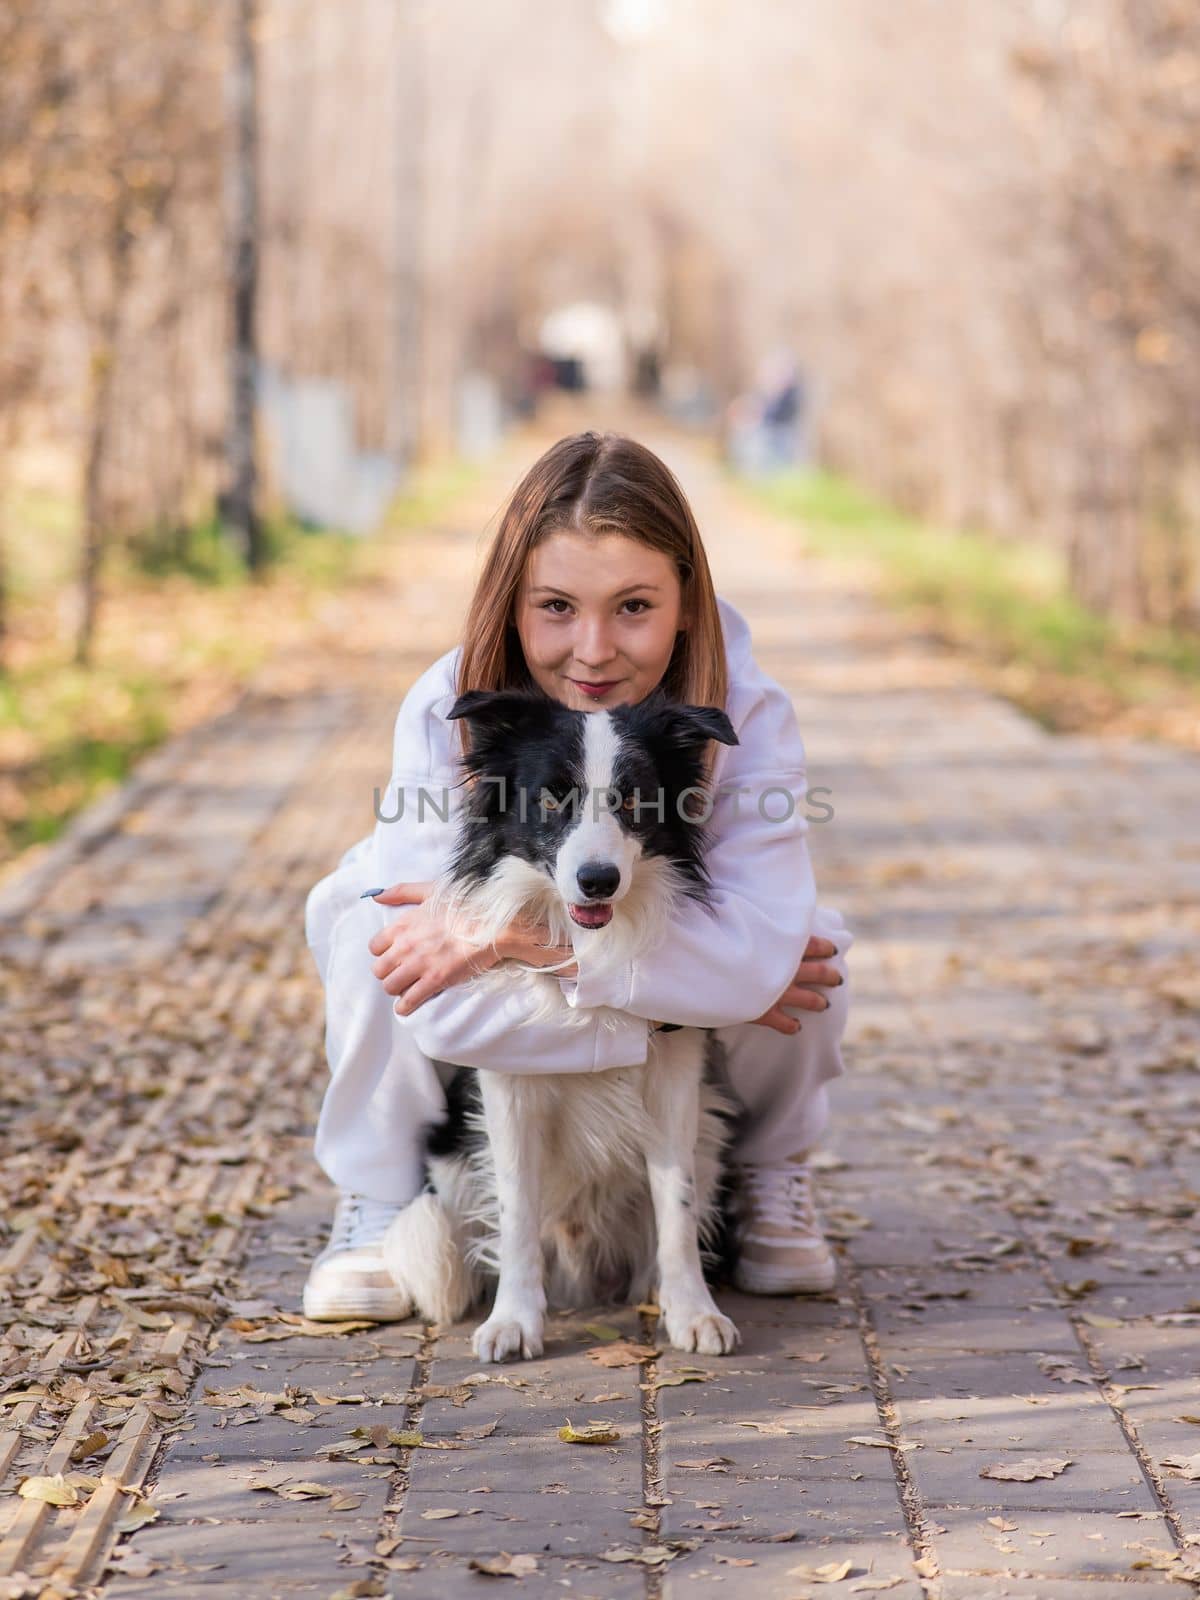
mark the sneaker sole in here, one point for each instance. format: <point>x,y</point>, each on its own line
<point>376,1305</point>
<point>753,1279</point>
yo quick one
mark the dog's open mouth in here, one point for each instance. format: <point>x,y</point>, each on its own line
<point>593,916</point>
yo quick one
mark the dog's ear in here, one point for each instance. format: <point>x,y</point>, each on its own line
<point>690,726</point>
<point>708,723</point>
<point>498,711</point>
<point>493,708</point>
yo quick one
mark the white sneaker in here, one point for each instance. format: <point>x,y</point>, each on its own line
<point>781,1247</point>
<point>349,1279</point>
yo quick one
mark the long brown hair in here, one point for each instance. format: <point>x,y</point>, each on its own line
<point>597,483</point>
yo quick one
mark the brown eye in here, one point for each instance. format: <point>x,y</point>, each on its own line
<point>548,802</point>
<point>629,803</point>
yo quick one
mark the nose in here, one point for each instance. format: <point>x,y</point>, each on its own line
<point>593,643</point>
<point>599,879</point>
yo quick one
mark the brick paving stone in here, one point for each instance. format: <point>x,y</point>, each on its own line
<point>810,1506</point>
<point>720,1570</point>
<point>986,1330</point>
<point>1012,1424</point>
<point>579,1577</point>
<point>1049,1542</point>
<point>190,1490</point>
<point>962,1587</point>
<point>536,1520</point>
<point>935,1293</point>
<point>1010,1374</point>
<point>238,1558</point>
<point>1101,1482</point>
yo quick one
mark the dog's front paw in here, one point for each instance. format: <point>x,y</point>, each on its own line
<point>500,1337</point>
<point>703,1330</point>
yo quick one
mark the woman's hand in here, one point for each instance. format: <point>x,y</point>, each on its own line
<point>812,969</point>
<point>417,956</point>
<point>525,940</point>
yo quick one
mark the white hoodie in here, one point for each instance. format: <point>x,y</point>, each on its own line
<point>720,965</point>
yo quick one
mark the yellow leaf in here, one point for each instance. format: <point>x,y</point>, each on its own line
<point>592,1433</point>
<point>53,1491</point>
<point>831,1572</point>
<point>137,1516</point>
<point>504,1565</point>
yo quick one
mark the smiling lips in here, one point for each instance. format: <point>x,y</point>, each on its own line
<point>593,916</point>
<point>596,691</point>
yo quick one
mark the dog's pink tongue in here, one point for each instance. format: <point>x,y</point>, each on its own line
<point>591,916</point>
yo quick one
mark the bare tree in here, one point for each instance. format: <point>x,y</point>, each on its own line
<point>240,508</point>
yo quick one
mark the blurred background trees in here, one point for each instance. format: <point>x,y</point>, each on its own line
<point>973,227</point>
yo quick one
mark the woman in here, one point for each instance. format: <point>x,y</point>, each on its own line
<point>596,590</point>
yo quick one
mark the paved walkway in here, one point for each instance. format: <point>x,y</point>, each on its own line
<point>1001,1399</point>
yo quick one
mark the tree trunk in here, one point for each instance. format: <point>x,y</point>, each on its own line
<point>100,419</point>
<point>240,511</point>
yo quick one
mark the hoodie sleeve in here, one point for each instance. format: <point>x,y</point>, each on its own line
<point>415,831</point>
<point>470,1027</point>
<point>729,961</point>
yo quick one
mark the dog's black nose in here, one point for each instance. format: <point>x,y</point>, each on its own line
<point>599,879</point>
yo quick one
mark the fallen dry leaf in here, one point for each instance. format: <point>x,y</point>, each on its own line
<point>89,1445</point>
<point>286,1490</point>
<point>483,1432</point>
<point>652,1555</point>
<point>591,1433</point>
<point>137,1516</point>
<point>504,1565</point>
<point>830,1572</point>
<point>622,1354</point>
<point>54,1490</point>
<point>1026,1471</point>
<point>1062,1370</point>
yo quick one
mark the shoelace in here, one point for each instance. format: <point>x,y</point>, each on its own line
<point>359,1222</point>
<point>780,1195</point>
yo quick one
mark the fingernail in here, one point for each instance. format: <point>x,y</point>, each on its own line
<point>369,894</point>
<point>840,981</point>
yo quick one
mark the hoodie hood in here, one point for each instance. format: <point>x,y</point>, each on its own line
<point>736,631</point>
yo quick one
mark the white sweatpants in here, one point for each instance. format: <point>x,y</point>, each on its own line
<point>383,1092</point>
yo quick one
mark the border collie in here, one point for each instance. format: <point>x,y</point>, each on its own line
<point>574,1188</point>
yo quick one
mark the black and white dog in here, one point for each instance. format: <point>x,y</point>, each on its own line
<point>575,1187</point>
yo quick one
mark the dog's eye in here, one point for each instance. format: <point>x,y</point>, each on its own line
<point>548,802</point>
<point>629,803</point>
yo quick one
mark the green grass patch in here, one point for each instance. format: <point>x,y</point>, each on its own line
<point>1004,599</point>
<point>182,623</point>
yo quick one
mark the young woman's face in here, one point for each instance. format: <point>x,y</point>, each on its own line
<point>597,617</point>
